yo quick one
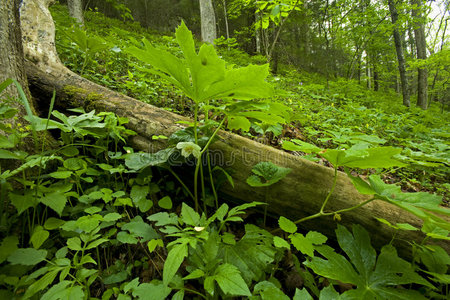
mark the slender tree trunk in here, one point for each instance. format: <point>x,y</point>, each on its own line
<point>400,56</point>
<point>421,46</point>
<point>208,21</point>
<point>76,10</point>
<point>225,15</point>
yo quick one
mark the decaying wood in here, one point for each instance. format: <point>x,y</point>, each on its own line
<point>298,195</point>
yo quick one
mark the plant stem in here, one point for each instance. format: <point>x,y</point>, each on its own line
<point>197,166</point>
<point>181,182</point>
<point>331,191</point>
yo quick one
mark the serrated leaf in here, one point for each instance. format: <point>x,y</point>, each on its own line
<point>302,244</point>
<point>22,202</point>
<point>163,218</point>
<point>173,261</point>
<point>56,201</point>
<point>270,172</point>
<point>280,243</point>
<point>287,225</point>
<point>188,215</point>
<point>138,228</point>
<point>111,217</point>
<point>27,256</point>
<point>316,238</point>
<point>230,281</point>
<point>39,236</point>
<point>61,174</point>
<point>74,243</point>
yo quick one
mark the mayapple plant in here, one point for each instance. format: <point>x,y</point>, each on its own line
<point>203,76</point>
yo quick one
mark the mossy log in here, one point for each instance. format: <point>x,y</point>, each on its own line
<point>299,194</point>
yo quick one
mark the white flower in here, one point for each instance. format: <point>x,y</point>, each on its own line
<point>188,148</point>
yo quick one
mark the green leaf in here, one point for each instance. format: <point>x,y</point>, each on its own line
<point>74,243</point>
<point>165,202</point>
<point>173,261</point>
<point>96,243</point>
<point>152,244</point>
<point>197,273</point>
<point>163,218</point>
<point>53,223</point>
<point>61,174</point>
<point>39,236</point>
<point>155,289</point>
<point>43,283</point>
<point>316,238</point>
<point>379,157</point>
<point>139,161</point>
<point>238,122</point>
<point>56,201</point>
<point>270,172</point>
<point>112,217</point>
<point>303,295</point>
<point>22,202</point>
<point>63,291</point>
<point>302,244</point>
<point>269,291</point>
<point>27,256</point>
<point>8,246</point>
<point>188,215</point>
<point>300,146</point>
<point>287,225</point>
<point>230,280</point>
<point>280,243</point>
<point>375,278</point>
<point>138,228</point>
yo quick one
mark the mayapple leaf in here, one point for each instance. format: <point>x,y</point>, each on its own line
<point>169,66</point>
<point>420,203</point>
<point>298,145</point>
<point>374,277</point>
<point>379,157</point>
<point>202,76</point>
<point>244,84</point>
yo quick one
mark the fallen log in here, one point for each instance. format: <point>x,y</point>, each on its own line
<point>299,194</point>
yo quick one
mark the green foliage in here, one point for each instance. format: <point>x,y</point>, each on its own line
<point>374,277</point>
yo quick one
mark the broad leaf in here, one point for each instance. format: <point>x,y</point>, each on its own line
<point>27,256</point>
<point>230,281</point>
<point>173,261</point>
<point>373,277</point>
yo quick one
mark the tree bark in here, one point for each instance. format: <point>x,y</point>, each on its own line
<point>76,10</point>
<point>400,56</point>
<point>421,46</point>
<point>299,194</point>
<point>11,66</point>
<point>208,21</point>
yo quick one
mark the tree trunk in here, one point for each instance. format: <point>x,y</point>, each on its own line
<point>400,56</point>
<point>208,21</point>
<point>76,10</point>
<point>421,46</point>
<point>11,66</point>
<point>298,195</point>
